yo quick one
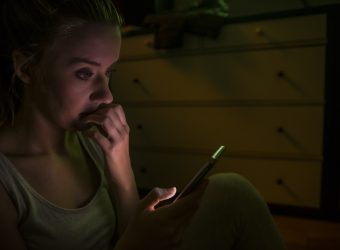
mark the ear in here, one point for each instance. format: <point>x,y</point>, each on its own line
<point>20,66</point>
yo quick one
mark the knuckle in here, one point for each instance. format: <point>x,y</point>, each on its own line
<point>106,121</point>
<point>110,111</point>
<point>96,135</point>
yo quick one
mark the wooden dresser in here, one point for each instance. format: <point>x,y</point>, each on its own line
<point>258,89</point>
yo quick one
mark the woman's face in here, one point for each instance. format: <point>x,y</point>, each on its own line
<point>75,75</point>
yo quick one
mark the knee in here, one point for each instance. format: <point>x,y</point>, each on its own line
<point>230,182</point>
<point>230,178</point>
<point>233,186</point>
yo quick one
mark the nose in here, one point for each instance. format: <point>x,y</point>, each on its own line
<point>102,92</point>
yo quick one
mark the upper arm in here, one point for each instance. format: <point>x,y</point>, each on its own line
<point>10,237</point>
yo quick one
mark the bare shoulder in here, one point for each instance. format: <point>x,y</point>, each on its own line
<point>10,237</point>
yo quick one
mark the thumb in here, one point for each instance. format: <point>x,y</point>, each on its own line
<point>157,195</point>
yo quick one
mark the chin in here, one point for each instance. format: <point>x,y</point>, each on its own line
<point>78,125</point>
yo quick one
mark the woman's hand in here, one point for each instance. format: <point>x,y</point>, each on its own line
<point>160,228</point>
<point>110,130</point>
<point>108,126</point>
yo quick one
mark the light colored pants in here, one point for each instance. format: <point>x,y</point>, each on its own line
<point>232,216</point>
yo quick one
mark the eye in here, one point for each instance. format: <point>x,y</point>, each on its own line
<point>84,74</point>
<point>109,72</point>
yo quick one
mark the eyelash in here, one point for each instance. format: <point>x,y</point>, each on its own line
<point>109,72</point>
<point>86,74</point>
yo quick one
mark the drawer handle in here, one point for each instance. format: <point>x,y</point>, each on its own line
<point>137,82</point>
<point>289,137</point>
<point>280,130</point>
<point>279,181</point>
<point>283,76</point>
<point>290,191</point>
<point>259,31</point>
<point>139,126</point>
<point>143,170</point>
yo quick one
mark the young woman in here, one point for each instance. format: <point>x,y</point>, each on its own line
<point>65,172</point>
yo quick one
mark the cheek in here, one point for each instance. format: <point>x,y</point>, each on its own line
<point>67,99</point>
<point>68,110</point>
<point>70,94</point>
<point>68,90</point>
<point>73,100</point>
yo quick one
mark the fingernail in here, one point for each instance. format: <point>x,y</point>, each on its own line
<point>165,191</point>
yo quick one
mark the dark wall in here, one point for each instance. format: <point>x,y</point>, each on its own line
<point>134,11</point>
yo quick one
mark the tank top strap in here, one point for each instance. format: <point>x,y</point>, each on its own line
<point>15,186</point>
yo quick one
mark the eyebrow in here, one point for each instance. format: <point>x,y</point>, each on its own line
<point>75,60</point>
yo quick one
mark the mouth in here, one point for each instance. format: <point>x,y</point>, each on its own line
<point>84,114</point>
<point>79,124</point>
<point>87,112</point>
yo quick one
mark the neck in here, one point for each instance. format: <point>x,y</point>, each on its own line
<point>35,134</point>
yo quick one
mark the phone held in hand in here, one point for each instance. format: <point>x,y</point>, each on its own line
<point>199,176</point>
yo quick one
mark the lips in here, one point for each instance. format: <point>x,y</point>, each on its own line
<point>79,124</point>
<point>84,114</point>
<point>87,112</point>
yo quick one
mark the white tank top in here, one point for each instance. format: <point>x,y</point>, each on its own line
<point>45,226</point>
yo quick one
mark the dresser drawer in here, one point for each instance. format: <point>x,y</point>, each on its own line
<point>141,46</point>
<point>270,32</point>
<point>279,181</point>
<point>283,74</point>
<point>278,130</point>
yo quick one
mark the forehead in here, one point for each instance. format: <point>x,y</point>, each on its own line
<point>96,41</point>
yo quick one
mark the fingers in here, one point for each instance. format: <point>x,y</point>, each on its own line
<point>110,122</point>
<point>187,205</point>
<point>167,223</point>
<point>157,195</point>
<point>121,114</point>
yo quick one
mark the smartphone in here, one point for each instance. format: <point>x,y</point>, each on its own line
<point>201,173</point>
